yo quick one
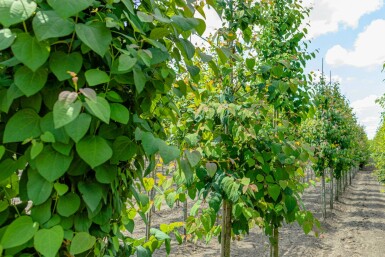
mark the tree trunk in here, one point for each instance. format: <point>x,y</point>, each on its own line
<point>226,229</point>
<point>274,243</point>
<point>185,218</point>
<point>323,196</point>
<point>337,189</point>
<point>331,190</point>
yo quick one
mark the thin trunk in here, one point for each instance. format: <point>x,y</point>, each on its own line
<point>149,217</point>
<point>274,242</point>
<point>331,190</point>
<point>323,196</point>
<point>337,189</point>
<point>226,229</point>
<point>185,218</point>
<point>350,177</point>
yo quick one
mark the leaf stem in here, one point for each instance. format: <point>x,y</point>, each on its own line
<point>73,35</point>
<point>25,27</point>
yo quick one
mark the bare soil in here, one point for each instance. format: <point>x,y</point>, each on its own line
<point>354,228</point>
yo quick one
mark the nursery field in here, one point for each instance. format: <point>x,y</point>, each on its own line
<point>355,227</point>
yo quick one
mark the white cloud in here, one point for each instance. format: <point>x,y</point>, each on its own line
<point>368,50</point>
<point>368,113</point>
<point>330,15</point>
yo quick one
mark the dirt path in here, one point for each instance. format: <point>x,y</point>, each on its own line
<point>355,228</point>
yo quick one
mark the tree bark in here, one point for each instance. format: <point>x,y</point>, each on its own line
<point>226,229</point>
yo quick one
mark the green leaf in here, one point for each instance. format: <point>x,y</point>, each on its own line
<point>13,12</point>
<point>211,168</point>
<point>64,112</point>
<point>291,203</point>
<point>144,17</point>
<point>119,113</point>
<point>124,64</point>
<point>30,51</point>
<point>274,191</point>
<point>149,143</point>
<point>185,24</point>
<point>42,213</point>
<point>94,150</point>
<point>61,189</point>
<point>222,56</point>
<point>30,82</point>
<point>7,168</point>
<point>48,241</point>
<point>60,63</point>
<point>38,188</point>
<point>69,7</point>
<point>79,127</point>
<point>47,137</point>
<point>92,194</point>
<point>100,108</point>
<point>159,234</point>
<point>48,24</point>
<point>96,77</point>
<point>139,79</point>
<point>158,33</point>
<point>68,204</point>
<point>106,174</point>
<point>20,231</point>
<point>123,149</point>
<point>51,164</point>
<point>142,252</point>
<point>168,152</point>
<point>96,36</point>
<point>193,158</point>
<point>2,151</point>
<point>231,188</point>
<point>21,126</point>
<point>186,168</point>
<point>6,38</point>
<point>36,149</point>
<point>187,48</point>
<point>82,242</point>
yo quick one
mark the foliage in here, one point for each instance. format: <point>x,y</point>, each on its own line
<point>84,94</point>
<point>339,142</point>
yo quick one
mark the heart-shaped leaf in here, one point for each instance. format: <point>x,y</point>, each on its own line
<point>79,127</point>
<point>30,82</point>
<point>48,24</point>
<point>51,164</point>
<point>21,126</point>
<point>6,38</point>
<point>64,113</point>
<point>48,241</point>
<point>100,108</point>
<point>92,194</point>
<point>69,7</point>
<point>20,231</point>
<point>30,51</point>
<point>68,204</point>
<point>13,12</point>
<point>81,242</point>
<point>96,36</point>
<point>61,63</point>
<point>94,150</point>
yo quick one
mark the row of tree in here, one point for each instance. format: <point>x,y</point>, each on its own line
<point>93,92</point>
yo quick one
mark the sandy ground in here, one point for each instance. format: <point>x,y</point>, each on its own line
<point>354,228</point>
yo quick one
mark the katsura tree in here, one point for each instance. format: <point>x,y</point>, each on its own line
<point>85,92</point>
<point>252,95</point>
<point>339,142</point>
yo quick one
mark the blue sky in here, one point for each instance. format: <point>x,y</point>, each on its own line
<point>350,36</point>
